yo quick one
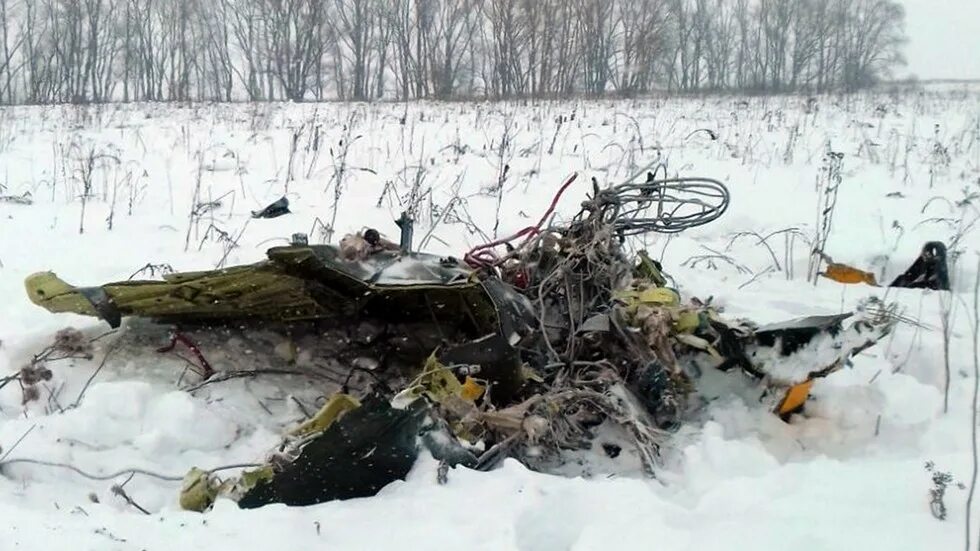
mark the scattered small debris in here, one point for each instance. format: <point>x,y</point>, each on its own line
<point>25,199</point>
<point>929,271</point>
<point>273,210</point>
<point>442,473</point>
<point>612,450</point>
<point>105,532</point>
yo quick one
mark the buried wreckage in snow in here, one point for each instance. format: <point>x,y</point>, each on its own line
<point>547,346</point>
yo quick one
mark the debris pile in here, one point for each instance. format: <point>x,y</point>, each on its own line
<point>555,346</point>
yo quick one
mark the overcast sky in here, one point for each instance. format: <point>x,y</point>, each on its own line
<point>944,38</point>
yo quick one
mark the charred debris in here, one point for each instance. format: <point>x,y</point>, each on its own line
<point>555,346</point>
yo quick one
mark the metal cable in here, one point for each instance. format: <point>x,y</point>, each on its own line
<point>668,205</point>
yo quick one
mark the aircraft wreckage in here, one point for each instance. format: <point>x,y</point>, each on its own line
<point>545,346</point>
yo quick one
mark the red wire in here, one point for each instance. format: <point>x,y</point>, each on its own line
<point>483,256</point>
<point>554,204</point>
<point>175,337</point>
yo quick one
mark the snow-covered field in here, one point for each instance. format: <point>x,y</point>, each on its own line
<point>114,188</point>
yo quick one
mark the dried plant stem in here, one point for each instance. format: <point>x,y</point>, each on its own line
<point>973,404</point>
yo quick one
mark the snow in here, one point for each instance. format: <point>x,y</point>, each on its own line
<point>848,474</point>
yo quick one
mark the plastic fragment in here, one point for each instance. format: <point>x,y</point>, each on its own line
<point>687,321</point>
<point>198,491</point>
<point>337,405</point>
<point>471,390</point>
<point>795,397</point>
<point>842,273</point>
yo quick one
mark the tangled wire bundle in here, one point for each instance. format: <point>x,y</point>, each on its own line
<point>669,205</point>
<point>665,205</point>
<point>571,273</point>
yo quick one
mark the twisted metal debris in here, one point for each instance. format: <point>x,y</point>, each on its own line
<point>548,346</point>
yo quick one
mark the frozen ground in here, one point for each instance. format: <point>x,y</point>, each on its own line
<point>849,474</point>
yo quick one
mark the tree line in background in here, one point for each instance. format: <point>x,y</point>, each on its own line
<point>82,51</point>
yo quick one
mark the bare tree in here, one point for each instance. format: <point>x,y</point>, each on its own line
<point>504,46</point>
<point>9,65</point>
<point>873,41</point>
<point>595,19</point>
<point>354,27</point>
<point>452,34</point>
<point>178,50</point>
